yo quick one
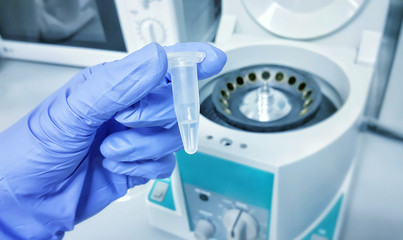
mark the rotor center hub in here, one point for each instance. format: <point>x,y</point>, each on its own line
<point>265,104</point>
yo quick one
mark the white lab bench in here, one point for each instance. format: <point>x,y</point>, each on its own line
<point>375,209</point>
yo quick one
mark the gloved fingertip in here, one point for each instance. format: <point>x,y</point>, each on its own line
<point>220,55</point>
<point>169,162</point>
<point>135,181</point>
<point>110,165</point>
<point>105,149</point>
<point>164,175</point>
<point>155,63</point>
<point>214,62</point>
<point>156,53</point>
<point>114,145</point>
<point>150,51</point>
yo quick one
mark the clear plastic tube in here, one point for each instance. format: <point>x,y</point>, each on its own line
<point>185,88</point>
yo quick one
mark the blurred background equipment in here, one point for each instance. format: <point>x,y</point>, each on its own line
<point>58,31</point>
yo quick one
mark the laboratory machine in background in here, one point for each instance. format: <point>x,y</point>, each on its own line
<point>87,32</point>
<point>279,126</point>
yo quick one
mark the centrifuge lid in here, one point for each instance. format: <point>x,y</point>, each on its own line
<point>298,19</point>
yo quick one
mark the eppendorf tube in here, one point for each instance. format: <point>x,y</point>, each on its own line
<point>185,88</point>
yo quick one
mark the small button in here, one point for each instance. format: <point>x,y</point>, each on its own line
<point>160,189</point>
<point>203,197</point>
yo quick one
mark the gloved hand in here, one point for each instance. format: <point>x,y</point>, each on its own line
<point>111,127</point>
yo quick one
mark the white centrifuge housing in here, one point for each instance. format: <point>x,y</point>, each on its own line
<point>290,183</point>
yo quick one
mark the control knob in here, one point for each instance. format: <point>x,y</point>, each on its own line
<point>240,225</point>
<point>204,230</point>
<point>152,31</point>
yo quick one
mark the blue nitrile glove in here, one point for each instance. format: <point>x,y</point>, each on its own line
<point>52,172</point>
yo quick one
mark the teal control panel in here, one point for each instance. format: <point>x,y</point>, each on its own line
<point>215,188</point>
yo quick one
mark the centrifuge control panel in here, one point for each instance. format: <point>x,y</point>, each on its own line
<point>224,199</point>
<point>212,215</point>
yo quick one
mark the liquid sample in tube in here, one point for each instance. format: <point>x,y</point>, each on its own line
<point>189,133</point>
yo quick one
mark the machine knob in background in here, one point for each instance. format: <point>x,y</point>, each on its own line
<point>240,225</point>
<point>152,31</point>
<point>204,230</point>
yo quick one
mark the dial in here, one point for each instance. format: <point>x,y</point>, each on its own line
<point>152,31</point>
<point>240,225</point>
<point>204,230</point>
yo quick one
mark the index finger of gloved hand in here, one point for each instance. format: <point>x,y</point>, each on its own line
<point>151,169</point>
<point>114,86</point>
<point>145,143</point>
<point>211,65</point>
<point>155,109</point>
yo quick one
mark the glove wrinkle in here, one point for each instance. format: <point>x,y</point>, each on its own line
<point>126,83</point>
<point>17,227</point>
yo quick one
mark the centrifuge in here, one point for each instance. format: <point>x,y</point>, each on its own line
<point>279,125</point>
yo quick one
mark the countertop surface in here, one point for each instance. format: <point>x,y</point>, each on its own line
<point>374,211</point>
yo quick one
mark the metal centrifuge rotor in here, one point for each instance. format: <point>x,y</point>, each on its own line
<point>266,98</point>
